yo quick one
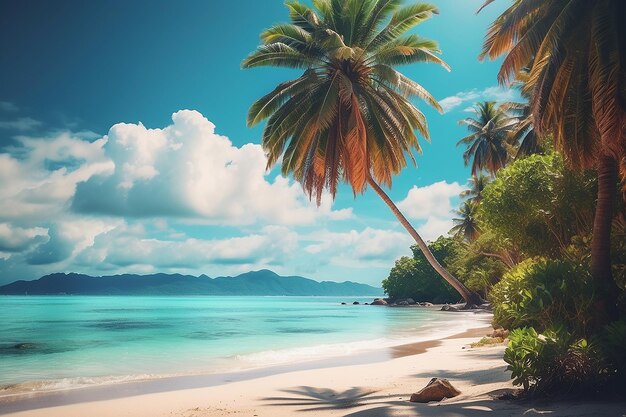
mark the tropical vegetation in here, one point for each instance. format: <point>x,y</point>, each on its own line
<point>541,230</point>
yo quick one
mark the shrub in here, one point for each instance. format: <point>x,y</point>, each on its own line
<point>555,362</point>
<point>544,293</point>
<point>415,278</point>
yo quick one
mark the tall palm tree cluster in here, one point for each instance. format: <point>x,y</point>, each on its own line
<point>574,55</point>
<point>349,116</point>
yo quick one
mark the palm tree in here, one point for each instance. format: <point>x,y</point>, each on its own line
<point>466,224</point>
<point>487,144</point>
<point>576,52</point>
<point>523,133</point>
<point>348,117</point>
<point>477,185</point>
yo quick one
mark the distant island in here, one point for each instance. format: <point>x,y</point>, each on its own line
<point>263,282</point>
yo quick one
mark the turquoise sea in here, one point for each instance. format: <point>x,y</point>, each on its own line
<point>61,342</point>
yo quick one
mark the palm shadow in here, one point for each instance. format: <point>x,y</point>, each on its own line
<point>496,374</point>
<point>315,399</point>
<point>391,405</point>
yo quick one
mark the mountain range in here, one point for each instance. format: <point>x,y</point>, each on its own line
<point>263,282</point>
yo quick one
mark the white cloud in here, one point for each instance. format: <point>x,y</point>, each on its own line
<point>17,239</point>
<point>361,249</point>
<point>434,200</point>
<point>21,124</point>
<point>39,178</point>
<point>187,170</point>
<point>435,227</point>
<point>494,93</point>
<point>133,249</point>
<point>433,206</point>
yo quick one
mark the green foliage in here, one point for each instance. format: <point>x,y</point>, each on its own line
<point>612,342</point>
<point>539,204</point>
<point>415,278</point>
<point>544,293</point>
<point>553,362</point>
<point>479,272</point>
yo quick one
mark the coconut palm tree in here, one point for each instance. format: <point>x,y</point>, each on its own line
<point>576,50</point>
<point>487,145</point>
<point>466,224</point>
<point>477,185</point>
<point>523,133</point>
<point>348,117</point>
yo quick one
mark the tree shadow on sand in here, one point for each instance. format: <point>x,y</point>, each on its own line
<point>497,374</point>
<point>317,399</point>
<point>314,399</point>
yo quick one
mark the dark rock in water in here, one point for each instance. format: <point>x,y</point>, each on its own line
<point>24,346</point>
<point>379,302</point>
<point>410,301</point>
<point>448,307</point>
<point>403,303</point>
<point>471,307</point>
<point>427,304</point>
<point>356,303</point>
<point>436,390</point>
<point>367,304</point>
<point>343,304</point>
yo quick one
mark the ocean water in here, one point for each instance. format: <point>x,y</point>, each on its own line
<point>69,341</point>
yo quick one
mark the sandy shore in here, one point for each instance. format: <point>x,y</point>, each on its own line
<point>378,389</point>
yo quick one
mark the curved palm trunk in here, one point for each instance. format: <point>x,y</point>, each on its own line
<point>601,242</point>
<point>470,297</point>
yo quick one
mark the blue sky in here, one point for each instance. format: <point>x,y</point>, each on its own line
<point>123,145</point>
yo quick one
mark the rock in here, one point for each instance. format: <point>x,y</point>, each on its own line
<point>367,304</point>
<point>471,307</point>
<point>356,303</point>
<point>403,303</point>
<point>410,301</point>
<point>379,302</point>
<point>343,304</point>
<point>426,304</point>
<point>448,307</point>
<point>436,390</point>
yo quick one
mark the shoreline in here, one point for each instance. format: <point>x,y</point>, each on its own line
<point>27,400</point>
<point>378,389</point>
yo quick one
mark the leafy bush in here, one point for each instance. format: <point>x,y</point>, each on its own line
<point>612,343</point>
<point>539,204</point>
<point>415,278</point>
<point>544,293</point>
<point>554,362</point>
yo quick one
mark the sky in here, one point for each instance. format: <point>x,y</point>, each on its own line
<point>124,149</point>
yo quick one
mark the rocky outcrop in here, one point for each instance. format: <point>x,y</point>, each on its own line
<point>356,303</point>
<point>449,307</point>
<point>436,390</point>
<point>379,302</point>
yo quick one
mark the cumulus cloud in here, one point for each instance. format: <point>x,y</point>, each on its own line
<point>125,202</point>
<point>432,200</point>
<point>131,248</point>
<point>187,170</point>
<point>39,177</point>
<point>362,249</point>
<point>18,239</point>
<point>432,205</point>
<point>494,93</point>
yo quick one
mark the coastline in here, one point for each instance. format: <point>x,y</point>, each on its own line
<point>322,388</point>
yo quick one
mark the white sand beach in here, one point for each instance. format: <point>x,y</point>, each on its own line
<point>379,389</point>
